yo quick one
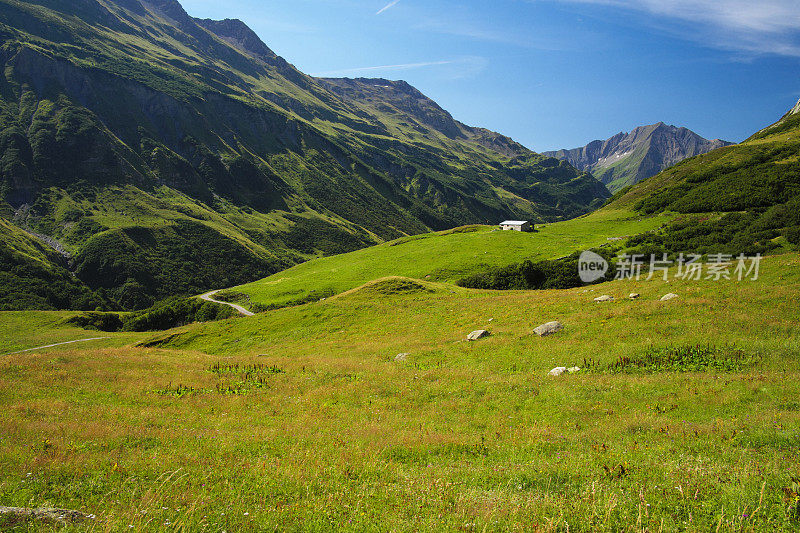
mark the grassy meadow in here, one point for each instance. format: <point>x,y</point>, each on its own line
<point>302,419</point>
<point>445,256</point>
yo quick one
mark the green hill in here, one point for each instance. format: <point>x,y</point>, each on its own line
<point>129,126</point>
<point>445,256</point>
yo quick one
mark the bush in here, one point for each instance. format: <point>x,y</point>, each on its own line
<point>554,274</point>
<point>97,321</point>
<point>176,313</point>
<point>165,315</point>
<point>691,358</point>
<point>793,235</point>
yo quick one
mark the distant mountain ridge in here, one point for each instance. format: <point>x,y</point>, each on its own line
<point>628,158</point>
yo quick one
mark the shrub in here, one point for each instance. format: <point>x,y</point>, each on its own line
<point>555,274</point>
<point>98,321</point>
<point>165,315</point>
<point>176,313</point>
<point>690,358</point>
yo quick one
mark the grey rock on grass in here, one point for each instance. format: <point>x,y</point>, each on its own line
<point>548,329</point>
<point>477,334</point>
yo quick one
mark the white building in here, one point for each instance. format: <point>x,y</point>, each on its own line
<point>516,225</point>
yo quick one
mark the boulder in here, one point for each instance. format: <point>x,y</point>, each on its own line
<point>401,357</point>
<point>604,298</point>
<point>634,296</point>
<point>669,296</point>
<point>557,371</point>
<point>548,329</point>
<point>477,334</point>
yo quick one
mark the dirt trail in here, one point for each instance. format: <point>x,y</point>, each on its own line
<point>209,298</point>
<point>56,344</point>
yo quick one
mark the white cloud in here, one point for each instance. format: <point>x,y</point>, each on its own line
<point>539,41</point>
<point>462,67</point>
<point>402,66</point>
<point>757,26</point>
<point>388,6</point>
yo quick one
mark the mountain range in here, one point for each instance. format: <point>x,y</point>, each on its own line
<point>628,158</point>
<point>156,154</point>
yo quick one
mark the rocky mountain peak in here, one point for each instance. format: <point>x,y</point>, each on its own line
<point>238,34</point>
<point>795,109</point>
<point>171,9</point>
<point>627,158</point>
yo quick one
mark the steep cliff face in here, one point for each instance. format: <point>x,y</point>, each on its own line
<point>627,158</point>
<point>119,118</point>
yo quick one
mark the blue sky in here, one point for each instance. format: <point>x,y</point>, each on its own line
<point>553,73</point>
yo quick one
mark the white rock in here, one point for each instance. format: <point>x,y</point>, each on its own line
<point>604,298</point>
<point>548,329</point>
<point>477,334</point>
<point>669,296</point>
<point>401,357</point>
<point>557,371</point>
<point>573,370</point>
<point>633,295</point>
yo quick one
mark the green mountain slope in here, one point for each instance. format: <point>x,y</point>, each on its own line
<point>127,127</point>
<point>741,198</point>
<point>628,158</point>
<point>33,276</point>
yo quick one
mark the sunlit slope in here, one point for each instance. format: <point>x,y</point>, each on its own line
<point>302,418</point>
<point>761,172</point>
<point>445,256</point>
<point>393,315</point>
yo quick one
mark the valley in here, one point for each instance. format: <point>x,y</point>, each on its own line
<point>237,297</point>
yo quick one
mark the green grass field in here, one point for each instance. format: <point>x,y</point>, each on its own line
<point>319,428</point>
<point>445,256</point>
